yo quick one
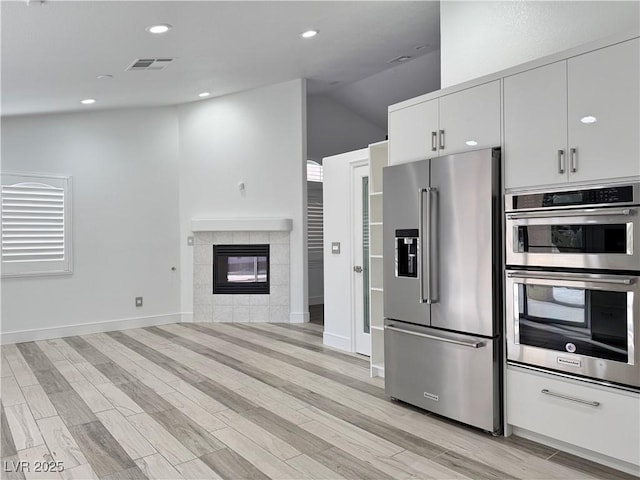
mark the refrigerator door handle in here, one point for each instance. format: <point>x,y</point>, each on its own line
<point>474,344</point>
<point>421,275</point>
<point>431,246</point>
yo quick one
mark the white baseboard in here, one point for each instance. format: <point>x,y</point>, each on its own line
<point>578,451</point>
<point>336,341</point>
<point>377,371</point>
<point>186,317</point>
<point>87,328</point>
<point>299,317</point>
<point>319,300</point>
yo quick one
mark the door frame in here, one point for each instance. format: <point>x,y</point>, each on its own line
<point>354,245</point>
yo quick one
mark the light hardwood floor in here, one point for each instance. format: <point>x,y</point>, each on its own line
<point>232,401</point>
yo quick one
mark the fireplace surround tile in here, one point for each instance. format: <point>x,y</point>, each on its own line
<point>241,300</point>
<point>278,314</point>
<point>279,254</point>
<point>240,237</point>
<point>203,238</point>
<point>222,313</point>
<point>259,314</point>
<point>202,254</point>
<point>259,300</point>
<point>279,275</point>
<point>279,238</point>
<point>241,314</point>
<point>274,307</point>
<point>220,237</point>
<point>258,237</point>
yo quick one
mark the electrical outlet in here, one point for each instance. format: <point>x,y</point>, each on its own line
<point>138,301</point>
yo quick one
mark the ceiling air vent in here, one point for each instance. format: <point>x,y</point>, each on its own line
<point>150,64</point>
<point>401,58</point>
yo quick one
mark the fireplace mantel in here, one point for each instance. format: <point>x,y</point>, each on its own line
<point>241,224</point>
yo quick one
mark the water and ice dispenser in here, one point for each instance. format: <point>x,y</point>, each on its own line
<point>407,252</point>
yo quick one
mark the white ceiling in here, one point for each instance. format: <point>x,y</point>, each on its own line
<point>53,52</point>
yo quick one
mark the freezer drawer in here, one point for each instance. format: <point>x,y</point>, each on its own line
<point>457,376</point>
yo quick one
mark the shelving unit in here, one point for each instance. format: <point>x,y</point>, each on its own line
<point>378,159</point>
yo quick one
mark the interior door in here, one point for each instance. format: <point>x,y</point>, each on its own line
<point>361,313</point>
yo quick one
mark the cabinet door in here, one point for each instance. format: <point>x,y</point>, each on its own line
<point>410,131</point>
<point>604,89</point>
<point>470,119</point>
<point>535,127</point>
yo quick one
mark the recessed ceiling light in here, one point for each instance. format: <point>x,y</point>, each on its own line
<point>471,143</point>
<point>309,33</point>
<point>204,94</point>
<point>88,101</point>
<point>589,119</point>
<point>105,76</point>
<point>160,28</point>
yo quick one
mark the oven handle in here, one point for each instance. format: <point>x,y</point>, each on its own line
<point>567,397</point>
<point>572,213</point>
<point>572,277</point>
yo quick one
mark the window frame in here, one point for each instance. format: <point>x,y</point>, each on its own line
<point>62,266</point>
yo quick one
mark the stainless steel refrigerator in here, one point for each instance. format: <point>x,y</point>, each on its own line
<point>442,291</point>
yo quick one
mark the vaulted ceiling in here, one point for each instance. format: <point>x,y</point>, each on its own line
<point>53,52</point>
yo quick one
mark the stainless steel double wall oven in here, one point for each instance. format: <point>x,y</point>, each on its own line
<point>573,281</point>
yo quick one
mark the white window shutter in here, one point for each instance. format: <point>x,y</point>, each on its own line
<point>36,223</point>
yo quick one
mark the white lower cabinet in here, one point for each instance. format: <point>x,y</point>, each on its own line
<point>600,419</point>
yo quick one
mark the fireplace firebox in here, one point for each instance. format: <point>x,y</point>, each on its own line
<point>241,269</point>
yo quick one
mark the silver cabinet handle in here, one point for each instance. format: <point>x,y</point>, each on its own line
<point>572,213</point>
<point>434,141</point>
<point>561,161</point>
<point>571,399</point>
<point>441,139</point>
<point>573,153</point>
<point>476,344</point>
<point>573,277</point>
<point>421,192</point>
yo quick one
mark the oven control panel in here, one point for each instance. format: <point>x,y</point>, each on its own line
<point>595,196</point>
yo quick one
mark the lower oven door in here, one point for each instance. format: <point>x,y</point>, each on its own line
<point>585,324</point>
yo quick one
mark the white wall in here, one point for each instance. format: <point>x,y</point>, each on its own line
<point>479,37</point>
<point>125,217</point>
<point>256,137</point>
<point>338,328</point>
<point>333,129</point>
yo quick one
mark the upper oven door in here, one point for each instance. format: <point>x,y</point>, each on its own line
<point>594,238</point>
<point>586,324</point>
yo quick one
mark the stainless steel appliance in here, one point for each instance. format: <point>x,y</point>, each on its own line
<point>597,228</point>
<point>581,323</point>
<point>442,286</point>
<point>573,282</point>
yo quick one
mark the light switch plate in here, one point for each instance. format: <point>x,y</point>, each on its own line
<point>335,247</point>
<point>190,241</point>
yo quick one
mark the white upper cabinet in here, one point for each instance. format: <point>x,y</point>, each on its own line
<point>410,132</point>
<point>535,126</point>
<point>470,119</point>
<point>461,121</point>
<point>604,89</point>
<point>576,120</point>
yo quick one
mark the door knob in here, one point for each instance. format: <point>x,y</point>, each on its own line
<point>357,269</point>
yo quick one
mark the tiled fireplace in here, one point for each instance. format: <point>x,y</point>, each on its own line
<point>241,307</point>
